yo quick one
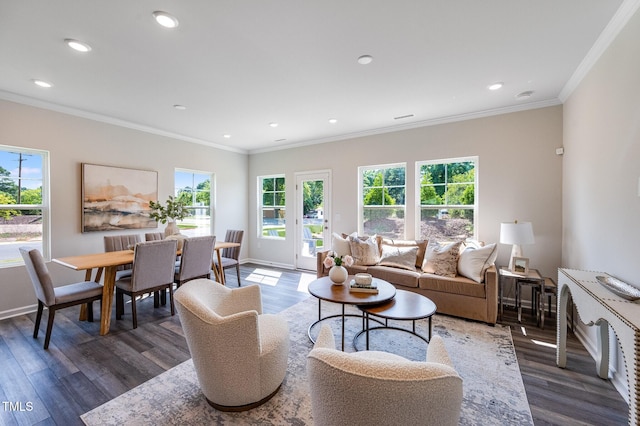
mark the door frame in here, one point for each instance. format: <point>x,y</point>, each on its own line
<point>325,175</point>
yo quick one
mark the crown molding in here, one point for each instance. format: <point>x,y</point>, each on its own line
<point>25,100</point>
<point>416,124</point>
<point>626,10</point>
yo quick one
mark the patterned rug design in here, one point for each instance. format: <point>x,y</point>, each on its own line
<point>483,356</point>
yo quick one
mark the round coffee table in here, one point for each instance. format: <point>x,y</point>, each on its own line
<point>325,289</point>
<point>405,306</point>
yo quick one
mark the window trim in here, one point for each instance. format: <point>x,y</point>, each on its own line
<point>260,196</point>
<point>360,204</point>
<point>418,187</point>
<point>45,206</point>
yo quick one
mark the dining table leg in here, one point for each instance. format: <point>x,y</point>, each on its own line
<point>107,299</point>
<point>87,277</point>
<point>220,274</point>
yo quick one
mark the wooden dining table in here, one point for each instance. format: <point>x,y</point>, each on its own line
<point>107,264</point>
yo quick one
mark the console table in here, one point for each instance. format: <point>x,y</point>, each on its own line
<point>598,306</point>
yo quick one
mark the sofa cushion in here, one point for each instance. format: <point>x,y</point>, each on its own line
<point>473,262</point>
<point>399,257</point>
<point>340,245</point>
<point>442,259</point>
<point>396,276</point>
<point>365,251</point>
<point>456,285</point>
<point>421,244</point>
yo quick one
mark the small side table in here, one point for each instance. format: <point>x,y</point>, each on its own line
<point>533,278</point>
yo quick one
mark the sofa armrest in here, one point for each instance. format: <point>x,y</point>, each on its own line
<point>491,282</point>
<point>321,271</point>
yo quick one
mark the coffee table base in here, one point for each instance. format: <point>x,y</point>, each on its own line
<point>366,330</point>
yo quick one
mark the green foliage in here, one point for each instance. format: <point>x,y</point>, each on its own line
<point>175,209</point>
<point>376,194</point>
<point>312,193</point>
<point>7,185</point>
<point>7,199</point>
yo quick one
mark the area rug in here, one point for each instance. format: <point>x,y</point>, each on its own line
<point>483,356</point>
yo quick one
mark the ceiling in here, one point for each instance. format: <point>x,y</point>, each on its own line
<point>239,65</point>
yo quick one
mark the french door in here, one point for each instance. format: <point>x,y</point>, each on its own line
<point>313,233</point>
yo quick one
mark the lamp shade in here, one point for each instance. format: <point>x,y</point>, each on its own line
<point>517,233</point>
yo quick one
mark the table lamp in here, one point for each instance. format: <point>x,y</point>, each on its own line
<point>516,233</point>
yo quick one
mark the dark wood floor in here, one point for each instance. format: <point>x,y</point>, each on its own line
<point>82,370</point>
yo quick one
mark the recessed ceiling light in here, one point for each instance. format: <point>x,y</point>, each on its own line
<point>180,107</point>
<point>365,59</point>
<point>42,83</point>
<point>524,95</point>
<point>226,136</point>
<point>77,45</point>
<point>497,85</point>
<point>273,124</point>
<point>164,19</point>
<point>333,120</point>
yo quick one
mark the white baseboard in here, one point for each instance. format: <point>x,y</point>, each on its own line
<point>18,311</point>
<point>274,264</point>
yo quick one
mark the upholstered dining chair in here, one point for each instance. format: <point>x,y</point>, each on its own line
<point>195,260</point>
<point>153,271</point>
<point>231,255</point>
<point>154,236</point>
<point>379,388</point>
<point>223,325</point>
<point>55,298</point>
<point>121,242</point>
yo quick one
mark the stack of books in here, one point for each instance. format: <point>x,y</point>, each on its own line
<point>363,288</point>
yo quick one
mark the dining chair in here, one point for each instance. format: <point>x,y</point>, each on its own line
<point>121,242</point>
<point>231,255</point>
<point>153,271</point>
<point>55,298</point>
<point>195,261</point>
<point>154,236</point>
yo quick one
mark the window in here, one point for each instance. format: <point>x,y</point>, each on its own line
<point>24,203</point>
<point>272,206</point>
<point>194,189</point>
<point>447,199</point>
<point>382,205</point>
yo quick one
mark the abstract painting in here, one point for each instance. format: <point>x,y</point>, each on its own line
<point>117,198</point>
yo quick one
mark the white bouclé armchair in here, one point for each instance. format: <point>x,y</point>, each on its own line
<point>378,388</point>
<point>239,354</point>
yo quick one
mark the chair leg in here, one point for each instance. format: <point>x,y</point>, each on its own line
<point>52,315</point>
<point>38,319</point>
<point>173,308</point>
<point>238,273</point>
<point>90,311</point>
<point>134,313</point>
<point>119,304</point>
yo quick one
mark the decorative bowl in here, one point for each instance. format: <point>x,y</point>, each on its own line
<point>620,288</point>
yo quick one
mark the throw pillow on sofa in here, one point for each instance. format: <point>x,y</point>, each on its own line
<point>442,259</point>
<point>473,262</point>
<point>340,245</point>
<point>420,244</point>
<point>365,251</point>
<point>399,256</point>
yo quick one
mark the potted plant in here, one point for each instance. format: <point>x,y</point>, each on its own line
<point>170,212</point>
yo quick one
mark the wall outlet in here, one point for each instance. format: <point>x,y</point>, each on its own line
<point>559,151</point>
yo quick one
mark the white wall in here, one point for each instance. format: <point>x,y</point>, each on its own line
<point>71,141</point>
<point>519,177</point>
<point>601,204</point>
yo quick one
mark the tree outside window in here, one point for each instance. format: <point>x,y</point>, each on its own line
<point>383,200</point>
<point>272,206</point>
<point>447,199</point>
<point>194,190</point>
<point>23,209</point>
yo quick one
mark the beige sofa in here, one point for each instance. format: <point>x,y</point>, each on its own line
<point>458,296</point>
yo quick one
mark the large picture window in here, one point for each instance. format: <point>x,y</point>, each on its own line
<point>24,203</point>
<point>195,189</point>
<point>448,201</point>
<point>272,206</point>
<point>382,200</point>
